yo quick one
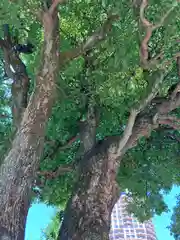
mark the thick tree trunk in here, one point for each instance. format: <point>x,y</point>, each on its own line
<point>88,212</point>
<point>19,167</point>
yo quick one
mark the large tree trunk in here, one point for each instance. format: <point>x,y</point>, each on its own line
<point>19,167</point>
<point>88,212</point>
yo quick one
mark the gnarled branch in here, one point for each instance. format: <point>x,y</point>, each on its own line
<point>144,54</point>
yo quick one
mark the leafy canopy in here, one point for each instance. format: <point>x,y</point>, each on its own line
<point>116,82</point>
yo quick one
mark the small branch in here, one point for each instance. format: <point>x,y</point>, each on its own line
<point>171,121</point>
<point>56,173</point>
<point>127,132</point>
<point>174,57</point>
<point>59,147</point>
<point>98,36</point>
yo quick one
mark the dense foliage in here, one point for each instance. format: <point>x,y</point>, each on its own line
<point>115,81</point>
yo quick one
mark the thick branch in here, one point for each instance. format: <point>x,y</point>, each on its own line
<point>134,113</point>
<point>98,36</point>
<point>145,124</point>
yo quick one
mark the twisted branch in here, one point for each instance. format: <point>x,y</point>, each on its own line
<point>149,28</point>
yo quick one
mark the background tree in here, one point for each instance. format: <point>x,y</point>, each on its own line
<point>106,100</point>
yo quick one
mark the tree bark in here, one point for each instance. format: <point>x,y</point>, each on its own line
<point>19,167</point>
<point>89,210</point>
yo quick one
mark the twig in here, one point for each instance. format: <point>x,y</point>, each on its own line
<point>55,173</point>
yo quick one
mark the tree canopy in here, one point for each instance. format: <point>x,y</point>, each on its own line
<point>137,44</point>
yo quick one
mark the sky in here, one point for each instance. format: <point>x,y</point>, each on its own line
<point>161,222</point>
<point>38,219</point>
<point>40,215</point>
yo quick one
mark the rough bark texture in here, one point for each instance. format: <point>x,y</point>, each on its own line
<point>19,167</point>
<point>88,212</point>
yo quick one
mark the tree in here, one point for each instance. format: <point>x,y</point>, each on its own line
<point>98,83</point>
